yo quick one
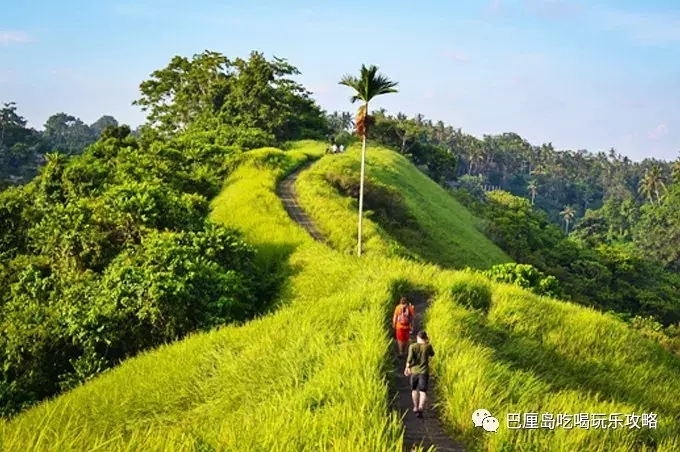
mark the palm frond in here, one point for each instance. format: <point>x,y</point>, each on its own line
<point>350,81</point>
<point>369,84</point>
<point>354,83</point>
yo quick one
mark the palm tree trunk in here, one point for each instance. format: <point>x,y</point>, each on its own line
<point>361,189</point>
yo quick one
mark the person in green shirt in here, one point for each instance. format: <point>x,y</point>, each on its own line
<point>417,368</point>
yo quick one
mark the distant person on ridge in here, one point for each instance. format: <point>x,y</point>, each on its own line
<point>418,369</point>
<point>342,148</point>
<point>335,148</point>
<point>402,322</point>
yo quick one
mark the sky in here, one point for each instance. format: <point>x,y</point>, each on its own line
<point>581,75</point>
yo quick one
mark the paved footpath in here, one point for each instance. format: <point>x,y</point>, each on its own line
<point>426,431</point>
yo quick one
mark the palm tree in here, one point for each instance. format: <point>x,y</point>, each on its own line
<point>675,171</point>
<point>539,170</point>
<point>652,184</point>
<point>533,189</point>
<point>368,85</point>
<point>477,155</point>
<point>440,132</point>
<point>568,215</point>
<point>347,120</point>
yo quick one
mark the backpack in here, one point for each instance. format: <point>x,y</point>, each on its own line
<point>404,317</point>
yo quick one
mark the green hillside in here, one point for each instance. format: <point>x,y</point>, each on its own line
<point>416,213</point>
<point>312,375</point>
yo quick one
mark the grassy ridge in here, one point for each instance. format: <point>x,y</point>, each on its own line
<point>312,375</point>
<point>532,354</point>
<point>446,232</point>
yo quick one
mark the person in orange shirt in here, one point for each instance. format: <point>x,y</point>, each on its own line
<point>402,322</point>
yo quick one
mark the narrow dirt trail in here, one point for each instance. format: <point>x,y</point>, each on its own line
<point>427,431</point>
<point>288,195</point>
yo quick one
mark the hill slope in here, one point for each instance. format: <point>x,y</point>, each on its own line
<point>312,374</point>
<point>409,208</point>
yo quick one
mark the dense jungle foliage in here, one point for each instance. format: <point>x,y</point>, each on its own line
<point>106,248</point>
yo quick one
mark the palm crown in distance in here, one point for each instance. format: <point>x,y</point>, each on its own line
<point>368,85</point>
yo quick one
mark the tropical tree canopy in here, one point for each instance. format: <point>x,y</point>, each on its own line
<point>367,86</point>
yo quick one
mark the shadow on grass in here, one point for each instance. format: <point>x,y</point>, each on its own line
<point>521,353</point>
<point>275,271</point>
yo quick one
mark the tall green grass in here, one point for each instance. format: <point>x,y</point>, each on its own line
<point>309,377</point>
<point>446,232</point>
<point>314,374</point>
<point>528,354</point>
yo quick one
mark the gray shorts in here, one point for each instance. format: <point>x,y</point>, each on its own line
<point>419,382</point>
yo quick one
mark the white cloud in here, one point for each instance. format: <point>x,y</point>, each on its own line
<point>8,37</point>
<point>658,132</point>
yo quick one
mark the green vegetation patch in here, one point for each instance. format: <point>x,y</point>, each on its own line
<point>312,375</point>
<point>530,354</point>
<point>445,233</point>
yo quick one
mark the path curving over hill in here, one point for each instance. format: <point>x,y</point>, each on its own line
<point>426,432</point>
<point>287,194</point>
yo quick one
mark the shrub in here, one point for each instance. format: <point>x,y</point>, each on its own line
<point>473,186</point>
<point>173,284</point>
<point>525,276</point>
<point>14,203</point>
<point>61,325</point>
<point>156,206</point>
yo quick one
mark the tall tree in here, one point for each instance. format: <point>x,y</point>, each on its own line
<point>652,184</point>
<point>366,87</point>
<point>20,146</point>
<point>102,123</point>
<point>68,134</point>
<point>12,125</point>
<point>657,233</point>
<point>477,158</point>
<point>409,132</point>
<point>255,98</point>
<point>347,121</point>
<point>185,90</point>
<point>533,190</point>
<point>568,215</point>
<point>675,171</point>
